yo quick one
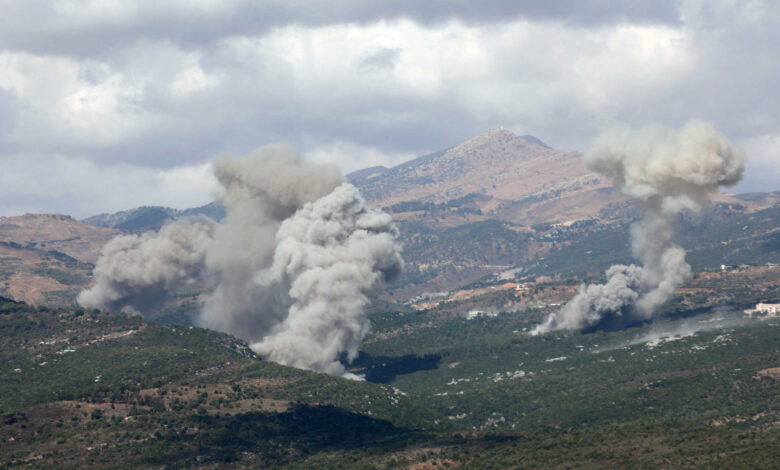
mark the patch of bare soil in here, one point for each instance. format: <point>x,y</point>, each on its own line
<point>772,373</point>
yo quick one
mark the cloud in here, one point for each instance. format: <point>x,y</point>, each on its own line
<point>352,157</point>
<point>162,86</point>
<point>89,28</point>
<point>81,188</point>
<point>764,163</point>
<point>384,58</point>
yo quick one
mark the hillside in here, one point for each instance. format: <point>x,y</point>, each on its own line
<point>444,259</point>
<point>102,389</point>
<point>147,218</point>
<point>495,203</point>
<point>56,232</point>
<point>46,259</point>
<point>513,176</point>
<point>88,389</point>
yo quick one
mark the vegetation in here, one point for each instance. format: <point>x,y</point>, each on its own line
<point>696,388</point>
<point>85,388</point>
<point>63,277</point>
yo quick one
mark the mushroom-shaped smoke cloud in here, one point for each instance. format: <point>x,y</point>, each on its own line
<point>665,172</point>
<point>293,262</point>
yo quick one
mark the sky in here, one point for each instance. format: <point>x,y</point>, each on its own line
<point>107,105</point>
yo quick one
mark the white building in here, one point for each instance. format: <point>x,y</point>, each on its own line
<point>480,313</point>
<point>764,310</point>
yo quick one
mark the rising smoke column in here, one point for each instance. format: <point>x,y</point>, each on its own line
<point>261,189</point>
<point>291,263</point>
<point>665,172</point>
<point>135,273</point>
<point>332,253</point>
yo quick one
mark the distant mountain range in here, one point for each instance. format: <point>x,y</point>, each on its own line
<point>497,202</point>
<point>496,174</point>
<point>146,218</point>
<point>502,174</point>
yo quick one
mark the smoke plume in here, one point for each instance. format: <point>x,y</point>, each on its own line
<point>135,273</point>
<point>261,190</point>
<point>332,253</point>
<point>665,172</point>
<point>292,263</point>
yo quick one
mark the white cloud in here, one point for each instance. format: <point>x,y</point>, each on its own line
<point>146,87</point>
<point>351,157</point>
<point>69,104</point>
<point>79,187</point>
<point>762,170</point>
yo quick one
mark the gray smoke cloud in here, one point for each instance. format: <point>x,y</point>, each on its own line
<point>135,273</point>
<point>666,172</point>
<point>332,253</point>
<point>261,190</point>
<point>292,262</point>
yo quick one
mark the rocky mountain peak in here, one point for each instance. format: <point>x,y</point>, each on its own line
<point>496,163</point>
<point>498,139</point>
<point>503,137</point>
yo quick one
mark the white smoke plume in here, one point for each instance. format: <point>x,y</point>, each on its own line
<point>332,253</point>
<point>292,262</point>
<point>135,273</point>
<point>665,172</point>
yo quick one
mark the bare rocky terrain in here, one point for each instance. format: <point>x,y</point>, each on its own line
<point>56,232</point>
<point>519,179</point>
<point>46,259</point>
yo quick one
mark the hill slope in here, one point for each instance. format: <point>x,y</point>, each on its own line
<point>87,389</point>
<point>507,168</point>
<point>146,218</point>
<point>56,232</point>
<point>47,258</point>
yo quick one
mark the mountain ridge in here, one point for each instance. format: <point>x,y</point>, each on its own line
<point>497,163</point>
<point>495,202</point>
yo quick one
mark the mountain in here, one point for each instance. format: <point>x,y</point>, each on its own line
<point>138,219</point>
<point>452,378</point>
<point>503,203</point>
<point>56,232</point>
<point>47,258</point>
<point>147,218</point>
<point>520,179</point>
<point>497,203</point>
<point>366,173</point>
